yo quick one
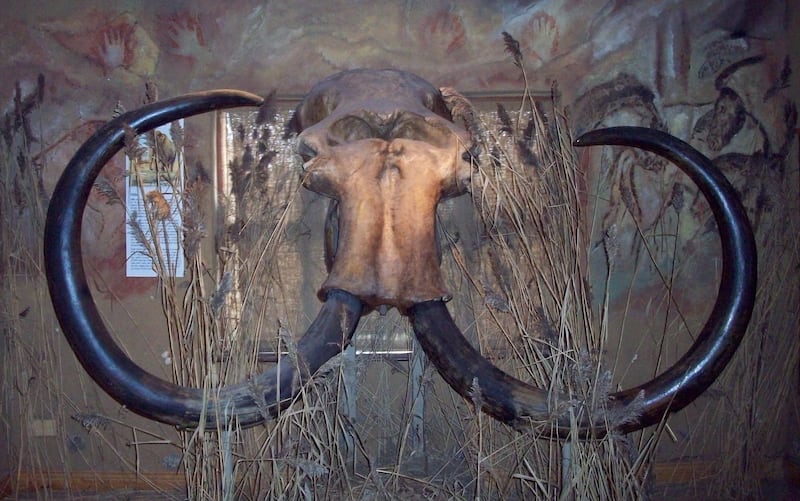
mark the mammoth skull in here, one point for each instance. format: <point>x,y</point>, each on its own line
<point>382,145</point>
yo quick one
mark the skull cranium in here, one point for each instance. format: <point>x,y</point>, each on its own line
<point>381,143</point>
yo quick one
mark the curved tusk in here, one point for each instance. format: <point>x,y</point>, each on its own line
<point>521,404</point>
<point>249,402</point>
<point>471,375</point>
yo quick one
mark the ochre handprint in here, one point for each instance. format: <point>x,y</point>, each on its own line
<point>116,49</point>
<point>540,37</point>
<point>186,37</point>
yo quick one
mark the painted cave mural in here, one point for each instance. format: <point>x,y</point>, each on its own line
<point>720,75</point>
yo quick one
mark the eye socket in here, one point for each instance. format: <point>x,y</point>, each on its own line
<point>305,151</point>
<point>418,128</point>
<point>471,155</point>
<point>349,128</point>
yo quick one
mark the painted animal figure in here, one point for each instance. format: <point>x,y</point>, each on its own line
<point>383,145</point>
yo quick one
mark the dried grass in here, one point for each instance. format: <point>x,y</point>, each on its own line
<point>528,288</point>
<point>525,278</point>
<point>520,268</point>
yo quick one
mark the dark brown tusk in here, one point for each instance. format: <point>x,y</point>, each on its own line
<point>246,403</point>
<point>520,404</point>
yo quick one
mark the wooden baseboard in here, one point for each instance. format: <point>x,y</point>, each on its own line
<point>91,481</point>
<point>684,472</point>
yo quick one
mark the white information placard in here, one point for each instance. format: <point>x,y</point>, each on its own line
<point>152,195</point>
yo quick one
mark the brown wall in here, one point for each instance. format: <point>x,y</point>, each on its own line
<point>714,73</point>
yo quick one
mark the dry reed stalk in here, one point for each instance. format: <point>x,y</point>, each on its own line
<point>757,394</point>
<point>228,322</point>
<point>530,280</point>
<point>523,298</point>
<point>35,403</point>
<point>530,287</point>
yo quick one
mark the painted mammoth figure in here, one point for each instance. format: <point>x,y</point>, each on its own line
<point>382,144</point>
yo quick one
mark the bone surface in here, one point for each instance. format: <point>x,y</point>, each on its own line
<point>382,144</point>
